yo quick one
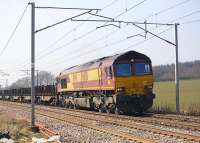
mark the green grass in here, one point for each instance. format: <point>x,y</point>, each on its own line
<point>19,129</point>
<point>189,96</point>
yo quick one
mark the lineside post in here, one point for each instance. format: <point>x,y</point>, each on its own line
<point>32,65</point>
<point>177,69</point>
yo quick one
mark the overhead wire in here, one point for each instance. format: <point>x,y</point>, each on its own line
<point>67,33</point>
<point>162,11</point>
<point>192,21</point>
<point>132,7</point>
<point>187,15</point>
<point>167,9</point>
<point>100,48</point>
<point>111,33</point>
<point>176,5</point>
<point>134,45</point>
<point>76,27</point>
<point>181,17</point>
<point>14,30</point>
<point>84,35</point>
<point>122,40</point>
<point>157,13</point>
<point>108,5</point>
<point>89,32</point>
<point>143,41</point>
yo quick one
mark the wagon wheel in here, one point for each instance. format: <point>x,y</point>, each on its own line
<point>70,105</point>
<point>108,110</point>
<point>66,105</point>
<point>74,106</point>
<point>101,108</point>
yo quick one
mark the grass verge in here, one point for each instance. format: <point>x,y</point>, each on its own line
<point>189,97</point>
<point>20,130</point>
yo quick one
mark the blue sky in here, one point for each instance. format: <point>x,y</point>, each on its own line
<point>76,46</point>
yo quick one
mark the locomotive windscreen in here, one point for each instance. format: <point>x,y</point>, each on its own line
<point>123,70</point>
<point>126,69</point>
<point>142,69</point>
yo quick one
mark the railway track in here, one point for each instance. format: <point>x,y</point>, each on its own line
<point>132,126</point>
<point>83,123</point>
<point>170,121</point>
<point>63,115</point>
<point>178,118</point>
<point>156,119</point>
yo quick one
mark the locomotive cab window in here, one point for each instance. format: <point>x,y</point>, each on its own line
<point>108,71</point>
<point>142,68</point>
<point>63,83</point>
<point>123,70</point>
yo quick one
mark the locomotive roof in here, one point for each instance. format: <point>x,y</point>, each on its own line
<point>104,61</point>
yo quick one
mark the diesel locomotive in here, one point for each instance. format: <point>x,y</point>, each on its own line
<point>119,83</point>
<point>122,83</point>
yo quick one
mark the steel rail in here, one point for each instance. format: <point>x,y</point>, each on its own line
<point>132,126</point>
<point>155,119</point>
<point>81,122</point>
<point>182,118</point>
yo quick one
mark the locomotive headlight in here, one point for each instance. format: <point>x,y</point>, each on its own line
<point>120,89</point>
<point>149,86</point>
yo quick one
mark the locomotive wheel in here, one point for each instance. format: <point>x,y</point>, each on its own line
<point>108,110</point>
<point>101,110</point>
<point>74,106</point>
<point>111,108</point>
<point>70,105</point>
<point>66,105</point>
<point>117,111</point>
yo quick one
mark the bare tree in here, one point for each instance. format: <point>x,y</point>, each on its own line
<point>187,70</point>
<point>43,78</point>
<point>22,82</point>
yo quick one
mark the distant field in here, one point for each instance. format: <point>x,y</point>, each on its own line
<point>189,95</point>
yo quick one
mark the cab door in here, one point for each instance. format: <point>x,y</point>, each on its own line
<point>100,76</point>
